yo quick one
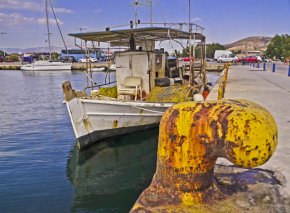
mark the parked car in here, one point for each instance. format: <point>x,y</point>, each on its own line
<point>209,60</point>
<point>84,60</point>
<point>227,58</point>
<point>219,53</point>
<point>68,59</point>
<point>186,59</point>
<point>240,60</point>
<point>251,59</point>
<point>267,60</point>
<point>259,58</point>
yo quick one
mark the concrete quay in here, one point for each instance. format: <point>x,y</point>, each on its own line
<point>272,91</point>
<point>10,66</point>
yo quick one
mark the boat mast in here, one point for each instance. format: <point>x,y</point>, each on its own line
<point>191,49</point>
<point>189,16</point>
<point>47,26</point>
<point>58,27</point>
<point>136,3</point>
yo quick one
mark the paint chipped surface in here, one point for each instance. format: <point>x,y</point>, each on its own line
<point>191,138</point>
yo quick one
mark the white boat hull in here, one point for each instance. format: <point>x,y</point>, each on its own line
<point>97,69</point>
<point>46,66</point>
<point>94,120</point>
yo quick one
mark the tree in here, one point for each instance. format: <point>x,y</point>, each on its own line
<point>14,57</point>
<point>55,56</point>
<point>3,53</point>
<point>279,47</point>
<point>237,52</point>
<point>211,48</point>
<point>177,53</point>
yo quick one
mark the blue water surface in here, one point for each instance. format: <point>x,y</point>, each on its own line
<point>40,168</point>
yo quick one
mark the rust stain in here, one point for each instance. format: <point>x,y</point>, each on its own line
<point>191,138</point>
<point>115,124</point>
<point>86,123</point>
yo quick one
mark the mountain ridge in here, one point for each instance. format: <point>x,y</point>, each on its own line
<point>252,43</point>
<point>32,49</point>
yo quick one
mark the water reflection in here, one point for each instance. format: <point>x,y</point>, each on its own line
<point>110,176</point>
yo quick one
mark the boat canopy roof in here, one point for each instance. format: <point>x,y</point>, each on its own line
<point>120,37</point>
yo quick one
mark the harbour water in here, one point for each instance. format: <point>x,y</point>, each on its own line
<point>40,168</point>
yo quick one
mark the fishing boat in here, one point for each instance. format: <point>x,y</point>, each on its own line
<point>47,65</point>
<point>147,83</point>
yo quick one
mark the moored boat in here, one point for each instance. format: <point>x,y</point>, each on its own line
<point>146,85</point>
<point>46,66</point>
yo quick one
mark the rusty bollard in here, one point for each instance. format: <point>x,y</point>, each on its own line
<point>191,138</point>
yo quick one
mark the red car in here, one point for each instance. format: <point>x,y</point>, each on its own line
<point>251,59</point>
<point>240,60</point>
<point>186,59</point>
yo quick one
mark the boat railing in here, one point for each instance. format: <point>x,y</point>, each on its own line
<point>99,85</point>
<point>95,84</point>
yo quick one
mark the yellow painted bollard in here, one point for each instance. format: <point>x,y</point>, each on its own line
<point>191,138</point>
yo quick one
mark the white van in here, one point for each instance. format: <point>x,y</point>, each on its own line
<point>224,53</point>
<point>226,58</point>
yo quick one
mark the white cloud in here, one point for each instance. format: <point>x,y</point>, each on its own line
<point>197,19</point>
<point>16,4</point>
<point>16,19</point>
<point>51,21</point>
<point>32,5</point>
<point>62,10</point>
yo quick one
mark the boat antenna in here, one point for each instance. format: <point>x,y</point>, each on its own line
<point>58,27</point>
<point>151,13</point>
<point>136,4</point>
<point>48,31</point>
<point>189,16</point>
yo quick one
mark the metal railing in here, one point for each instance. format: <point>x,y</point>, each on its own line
<point>223,83</point>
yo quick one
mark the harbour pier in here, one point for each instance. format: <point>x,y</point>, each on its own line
<point>232,188</point>
<point>272,91</point>
<point>10,66</point>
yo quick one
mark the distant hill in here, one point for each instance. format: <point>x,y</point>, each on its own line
<point>254,43</point>
<point>31,50</point>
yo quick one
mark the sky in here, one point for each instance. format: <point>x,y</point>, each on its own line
<point>22,22</point>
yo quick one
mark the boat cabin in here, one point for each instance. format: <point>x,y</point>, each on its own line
<point>142,67</point>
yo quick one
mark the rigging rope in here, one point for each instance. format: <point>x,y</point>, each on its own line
<point>58,26</point>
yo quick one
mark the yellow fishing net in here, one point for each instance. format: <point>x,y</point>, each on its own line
<point>173,94</point>
<point>109,91</point>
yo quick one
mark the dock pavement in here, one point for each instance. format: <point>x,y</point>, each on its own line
<point>272,91</point>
